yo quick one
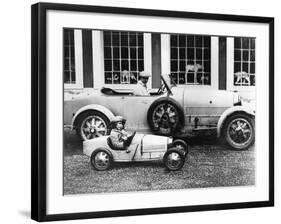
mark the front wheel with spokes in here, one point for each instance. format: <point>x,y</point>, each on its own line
<point>239,131</point>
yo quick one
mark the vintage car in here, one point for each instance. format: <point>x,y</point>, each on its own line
<point>142,148</point>
<point>171,111</point>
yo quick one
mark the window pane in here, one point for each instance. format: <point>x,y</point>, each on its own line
<point>207,79</point>
<point>133,78</point>
<point>174,78</point>
<point>252,43</point>
<point>133,65</point>
<point>206,66</point>
<point>182,66</point>
<point>237,55</point>
<point>190,77</point>
<point>140,39</point>
<point>133,53</point>
<point>252,68</point>
<point>237,67</point>
<point>133,40</point>
<point>198,53</point>
<point>124,65</point>
<point>207,41</point>
<point>141,65</point>
<point>190,41</point>
<point>174,41</point>
<point>190,53</point>
<point>245,67</point>
<point>182,41</point>
<point>116,65</point>
<point>107,65</point>
<point>245,43</point>
<point>116,77</point>
<point>245,55</point>
<point>252,56</point>
<point>252,80</point>
<point>107,52</point>
<point>198,41</point>
<point>207,55</point>
<point>182,78</point>
<point>124,39</point>
<point>116,52</point>
<point>107,38</point>
<point>182,53</point>
<point>174,66</point>
<point>200,78</point>
<point>174,53</point>
<point>140,53</point>
<point>108,77</point>
<point>237,43</point>
<point>116,39</point>
<point>124,52</point>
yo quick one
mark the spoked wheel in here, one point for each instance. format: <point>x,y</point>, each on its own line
<point>174,159</point>
<point>91,125</point>
<point>239,131</point>
<point>165,117</point>
<point>181,145</point>
<point>101,159</point>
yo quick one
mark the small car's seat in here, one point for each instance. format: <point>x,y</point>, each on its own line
<point>110,144</point>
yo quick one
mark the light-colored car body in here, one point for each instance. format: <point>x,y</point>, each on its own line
<point>201,110</point>
<point>142,148</point>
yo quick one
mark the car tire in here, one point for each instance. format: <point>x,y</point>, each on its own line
<point>180,144</point>
<point>174,159</point>
<point>101,159</point>
<point>239,131</point>
<point>92,124</point>
<point>165,117</point>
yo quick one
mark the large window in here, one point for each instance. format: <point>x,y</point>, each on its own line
<point>69,56</point>
<point>244,61</point>
<point>190,59</point>
<point>123,57</point>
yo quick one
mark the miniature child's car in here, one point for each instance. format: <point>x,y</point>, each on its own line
<point>142,148</point>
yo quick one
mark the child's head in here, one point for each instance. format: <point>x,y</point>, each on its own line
<point>119,125</point>
<point>119,122</point>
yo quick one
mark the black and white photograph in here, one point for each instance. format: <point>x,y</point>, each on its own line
<point>157,111</point>
<point>144,111</point>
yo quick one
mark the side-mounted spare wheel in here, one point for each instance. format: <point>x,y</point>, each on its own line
<point>165,116</point>
<point>174,159</point>
<point>239,131</point>
<point>91,124</point>
<point>101,159</point>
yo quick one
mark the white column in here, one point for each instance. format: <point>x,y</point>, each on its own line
<point>165,56</point>
<point>215,62</point>
<point>229,63</point>
<point>147,56</point>
<point>98,59</point>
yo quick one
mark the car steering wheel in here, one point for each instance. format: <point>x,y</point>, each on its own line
<point>161,89</point>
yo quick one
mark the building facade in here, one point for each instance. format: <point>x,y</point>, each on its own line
<point>97,58</point>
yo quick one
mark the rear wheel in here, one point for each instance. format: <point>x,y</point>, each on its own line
<point>174,159</point>
<point>101,159</point>
<point>92,124</point>
<point>239,131</point>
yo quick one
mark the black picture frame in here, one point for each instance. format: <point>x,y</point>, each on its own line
<point>39,108</point>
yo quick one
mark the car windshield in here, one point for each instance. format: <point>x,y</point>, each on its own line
<point>166,85</point>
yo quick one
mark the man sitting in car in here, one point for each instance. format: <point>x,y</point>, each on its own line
<point>141,88</point>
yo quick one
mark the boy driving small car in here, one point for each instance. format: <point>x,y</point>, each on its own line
<point>119,137</point>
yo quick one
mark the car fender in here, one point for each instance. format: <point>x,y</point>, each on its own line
<point>236,109</point>
<point>95,107</point>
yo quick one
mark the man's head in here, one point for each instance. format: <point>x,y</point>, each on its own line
<point>144,77</point>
